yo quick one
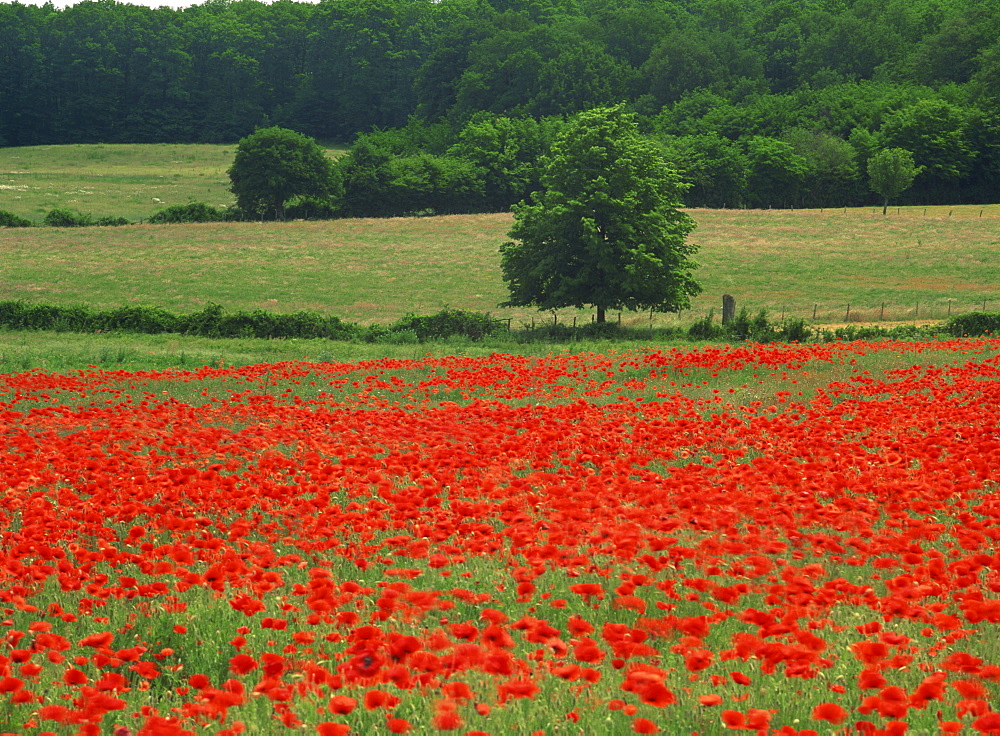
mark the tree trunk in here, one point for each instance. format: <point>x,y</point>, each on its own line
<point>600,314</point>
<point>885,205</point>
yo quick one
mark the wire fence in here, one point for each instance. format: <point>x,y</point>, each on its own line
<point>817,313</point>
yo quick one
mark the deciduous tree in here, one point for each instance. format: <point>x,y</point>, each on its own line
<point>891,171</point>
<point>274,165</point>
<point>606,229</point>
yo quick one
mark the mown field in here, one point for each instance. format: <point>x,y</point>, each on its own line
<point>839,265</point>
<point>795,263</point>
<point>120,180</point>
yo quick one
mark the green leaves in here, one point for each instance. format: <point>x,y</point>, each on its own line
<point>274,165</point>
<point>605,230</point>
<point>892,171</point>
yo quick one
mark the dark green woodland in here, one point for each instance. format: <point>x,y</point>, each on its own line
<point>448,104</point>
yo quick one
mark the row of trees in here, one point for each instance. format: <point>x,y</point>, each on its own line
<point>705,76</point>
<point>495,161</point>
<point>604,227</point>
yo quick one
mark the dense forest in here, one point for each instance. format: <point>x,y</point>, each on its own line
<point>758,102</point>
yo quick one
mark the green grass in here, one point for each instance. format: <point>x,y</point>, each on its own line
<point>377,270</point>
<point>131,181</point>
<point>828,266</point>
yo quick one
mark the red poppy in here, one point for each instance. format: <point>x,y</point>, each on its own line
<point>831,712</point>
<point>644,725</point>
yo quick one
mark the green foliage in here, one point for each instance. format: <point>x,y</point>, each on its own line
<point>112,221</point>
<point>775,173</point>
<point>713,166</point>
<point>67,218</point>
<point>274,165</point>
<point>744,327</point>
<point>71,218</point>
<point>605,230</point>
<point>831,176</point>
<point>891,172</point>
<point>921,75</point>
<point>506,151</point>
<point>9,219</point>
<point>214,321</point>
<point>191,212</point>
<point>973,324</point>
<point>447,323</point>
<point>936,132</point>
<point>706,328</point>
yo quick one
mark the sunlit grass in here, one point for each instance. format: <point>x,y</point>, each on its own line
<point>121,180</point>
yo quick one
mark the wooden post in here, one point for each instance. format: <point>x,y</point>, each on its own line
<point>847,318</point>
<point>814,310</point>
<point>728,309</point>
<point>881,314</point>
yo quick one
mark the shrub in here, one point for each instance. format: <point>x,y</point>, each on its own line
<point>311,208</point>
<point>973,323</point>
<point>705,328</point>
<point>745,327</point>
<point>147,320</point>
<point>67,218</point>
<point>112,221</point>
<point>190,212</point>
<point>795,330</point>
<point>9,219</point>
<point>447,323</point>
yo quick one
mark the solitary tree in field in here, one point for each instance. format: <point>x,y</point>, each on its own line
<point>274,165</point>
<point>605,229</point>
<point>892,171</point>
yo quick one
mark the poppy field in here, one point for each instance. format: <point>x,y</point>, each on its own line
<point>780,539</point>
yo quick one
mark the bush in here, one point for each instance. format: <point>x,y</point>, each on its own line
<point>9,219</point>
<point>146,320</point>
<point>191,212</point>
<point>448,323</point>
<point>973,323</point>
<point>112,221</point>
<point>706,329</point>
<point>745,327</point>
<point>67,218</point>
<point>795,330</point>
<point>311,208</point>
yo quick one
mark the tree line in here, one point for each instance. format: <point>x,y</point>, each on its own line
<point>758,102</point>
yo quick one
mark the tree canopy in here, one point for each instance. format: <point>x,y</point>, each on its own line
<point>892,171</point>
<point>605,229</point>
<point>274,165</point>
<point>920,75</point>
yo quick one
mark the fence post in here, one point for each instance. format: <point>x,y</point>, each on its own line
<point>881,314</point>
<point>847,318</point>
<point>728,309</point>
<point>814,310</point>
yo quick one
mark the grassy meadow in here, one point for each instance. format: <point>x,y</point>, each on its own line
<point>792,262</point>
<point>121,180</point>
<point>827,266</point>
